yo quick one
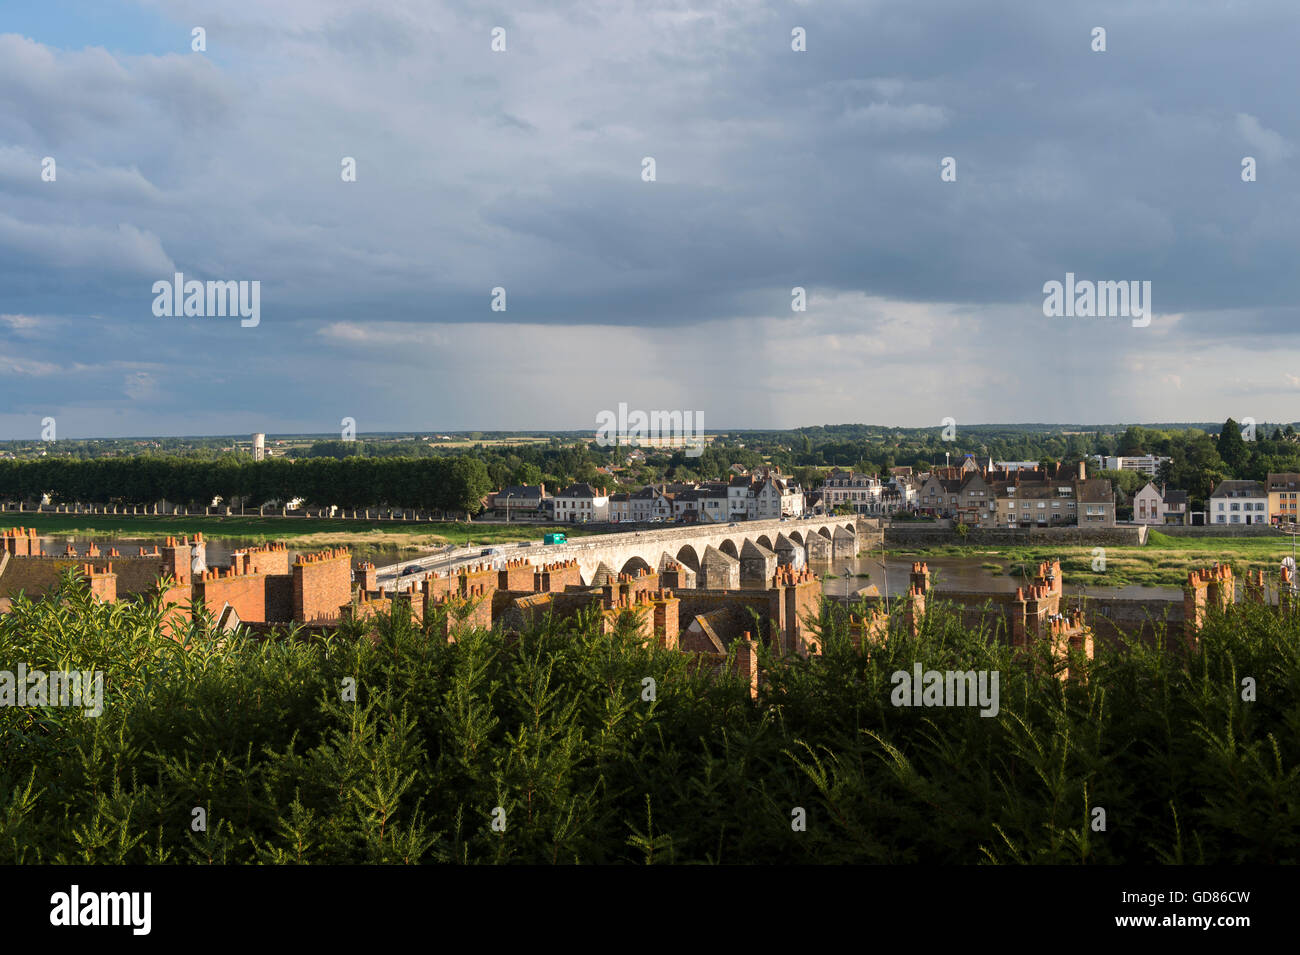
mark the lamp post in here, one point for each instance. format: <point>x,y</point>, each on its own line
<point>508,497</point>
<point>1292,529</point>
<point>884,569</point>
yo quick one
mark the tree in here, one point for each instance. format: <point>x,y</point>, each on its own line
<point>1232,449</point>
<point>529,474</point>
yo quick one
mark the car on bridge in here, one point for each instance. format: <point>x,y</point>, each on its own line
<point>413,569</point>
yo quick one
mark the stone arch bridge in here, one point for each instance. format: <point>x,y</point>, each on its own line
<point>750,544</point>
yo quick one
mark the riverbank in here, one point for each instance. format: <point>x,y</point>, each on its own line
<point>1162,562</point>
<point>304,533</point>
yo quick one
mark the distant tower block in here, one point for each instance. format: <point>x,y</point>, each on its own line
<point>259,446</point>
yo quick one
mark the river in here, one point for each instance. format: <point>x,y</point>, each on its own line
<point>957,573</point>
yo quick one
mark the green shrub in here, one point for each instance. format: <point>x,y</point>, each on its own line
<point>553,729</point>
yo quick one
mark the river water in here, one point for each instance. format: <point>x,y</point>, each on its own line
<point>956,573</point>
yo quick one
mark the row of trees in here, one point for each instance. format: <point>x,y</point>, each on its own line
<point>438,484</point>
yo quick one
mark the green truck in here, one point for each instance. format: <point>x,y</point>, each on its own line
<point>555,539</point>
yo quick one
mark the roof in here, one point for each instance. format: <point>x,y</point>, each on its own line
<point>580,490</point>
<point>1239,489</point>
<point>1283,481</point>
<point>1175,497</point>
<point>1030,491</point>
<point>530,492</point>
<point>1095,491</point>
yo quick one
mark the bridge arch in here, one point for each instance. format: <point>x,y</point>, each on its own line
<point>796,537</point>
<point>729,548</point>
<point>763,541</point>
<point>825,532</point>
<point>688,557</point>
<point>634,564</point>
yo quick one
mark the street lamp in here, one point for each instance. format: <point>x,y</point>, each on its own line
<point>884,569</point>
<point>508,497</point>
<point>1292,529</point>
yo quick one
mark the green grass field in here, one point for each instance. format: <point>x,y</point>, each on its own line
<point>1163,562</point>
<point>306,531</point>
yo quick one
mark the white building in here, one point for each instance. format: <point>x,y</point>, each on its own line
<point>581,502</point>
<point>1147,464</point>
<point>862,492</point>
<point>1239,502</point>
<point>1148,505</point>
<point>741,505</point>
<point>775,498</point>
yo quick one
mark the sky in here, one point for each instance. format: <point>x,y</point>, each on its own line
<point>523,170</point>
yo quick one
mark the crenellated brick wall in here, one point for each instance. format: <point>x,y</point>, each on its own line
<point>322,583</point>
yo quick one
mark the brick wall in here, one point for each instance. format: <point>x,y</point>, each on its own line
<point>21,542</point>
<point>516,575</point>
<point>270,559</point>
<point>103,583</point>
<point>37,576</point>
<point>733,606</point>
<point>453,612</point>
<point>176,610</point>
<point>245,592</point>
<point>555,577</point>
<point>322,583</point>
<point>667,618</point>
<point>480,578</point>
<point>801,598</point>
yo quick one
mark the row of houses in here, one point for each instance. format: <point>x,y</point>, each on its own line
<point>866,493</point>
<point>765,494</point>
<point>1019,497</point>
<point>1271,501</point>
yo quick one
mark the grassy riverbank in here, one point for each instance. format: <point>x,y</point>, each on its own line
<point>1163,562</point>
<point>301,531</point>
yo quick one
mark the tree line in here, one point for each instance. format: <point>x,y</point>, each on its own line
<point>436,484</point>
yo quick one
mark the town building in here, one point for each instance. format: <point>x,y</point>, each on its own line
<point>1070,497</point>
<point>1148,464</point>
<point>519,502</point>
<point>1282,489</point>
<point>853,489</point>
<point>1239,502</point>
<point>580,502</point>
<point>1157,506</point>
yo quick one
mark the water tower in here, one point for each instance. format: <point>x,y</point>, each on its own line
<point>259,446</point>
